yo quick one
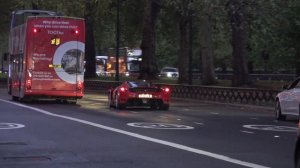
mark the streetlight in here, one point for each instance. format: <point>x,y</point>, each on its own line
<point>190,80</point>
<point>117,39</point>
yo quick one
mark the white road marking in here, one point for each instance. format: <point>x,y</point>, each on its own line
<point>134,112</point>
<point>272,128</point>
<point>247,132</point>
<point>160,126</point>
<point>11,125</point>
<point>139,136</point>
<point>198,123</point>
<point>215,113</point>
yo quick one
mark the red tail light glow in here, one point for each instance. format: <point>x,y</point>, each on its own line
<point>167,90</point>
<point>79,85</point>
<point>76,31</point>
<point>28,84</point>
<point>122,89</point>
<point>36,30</point>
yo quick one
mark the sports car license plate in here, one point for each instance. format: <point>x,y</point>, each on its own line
<point>147,96</point>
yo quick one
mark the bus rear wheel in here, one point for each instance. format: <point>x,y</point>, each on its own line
<point>73,101</point>
<point>15,98</point>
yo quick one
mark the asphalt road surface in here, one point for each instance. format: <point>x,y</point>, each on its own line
<point>192,134</point>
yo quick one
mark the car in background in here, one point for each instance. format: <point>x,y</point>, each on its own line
<point>4,70</point>
<point>169,72</point>
<point>287,101</point>
<point>139,93</point>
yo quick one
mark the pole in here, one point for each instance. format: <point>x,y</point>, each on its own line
<point>190,50</point>
<point>117,39</point>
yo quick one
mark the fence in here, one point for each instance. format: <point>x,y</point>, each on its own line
<point>210,93</point>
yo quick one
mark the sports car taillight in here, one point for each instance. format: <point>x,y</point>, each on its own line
<point>122,89</point>
<point>167,90</point>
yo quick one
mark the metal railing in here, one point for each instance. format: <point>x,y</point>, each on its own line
<point>209,93</point>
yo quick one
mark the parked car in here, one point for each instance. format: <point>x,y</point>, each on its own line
<point>169,72</point>
<point>287,101</point>
<point>139,93</point>
<point>297,149</point>
<point>4,70</point>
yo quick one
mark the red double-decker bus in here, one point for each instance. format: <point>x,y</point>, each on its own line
<point>46,56</point>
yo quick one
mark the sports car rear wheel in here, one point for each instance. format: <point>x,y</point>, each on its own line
<point>109,101</point>
<point>278,115</point>
<point>164,107</point>
<point>118,104</point>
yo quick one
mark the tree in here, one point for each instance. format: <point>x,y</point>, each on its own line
<point>148,67</point>
<point>184,21</point>
<point>293,32</point>
<point>90,68</point>
<point>236,13</point>
<point>208,74</point>
<point>5,10</point>
<point>183,13</point>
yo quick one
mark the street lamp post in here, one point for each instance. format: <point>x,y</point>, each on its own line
<point>190,79</point>
<point>117,40</point>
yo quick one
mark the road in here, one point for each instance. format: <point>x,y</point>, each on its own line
<point>191,134</point>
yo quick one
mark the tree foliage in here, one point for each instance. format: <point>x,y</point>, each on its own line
<point>227,34</point>
<point>148,67</point>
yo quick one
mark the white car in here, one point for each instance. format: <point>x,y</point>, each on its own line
<point>287,101</point>
<point>169,72</point>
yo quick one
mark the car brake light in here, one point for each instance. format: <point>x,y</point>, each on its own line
<point>167,90</point>
<point>122,89</point>
<point>28,84</point>
<point>79,85</point>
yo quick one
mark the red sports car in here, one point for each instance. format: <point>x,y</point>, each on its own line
<point>139,93</point>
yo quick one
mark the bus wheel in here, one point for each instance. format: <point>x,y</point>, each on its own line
<point>73,101</point>
<point>164,107</point>
<point>15,98</point>
<point>62,101</point>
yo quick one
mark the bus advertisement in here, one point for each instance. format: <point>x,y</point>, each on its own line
<point>46,56</point>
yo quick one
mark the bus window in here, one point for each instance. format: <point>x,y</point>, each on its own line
<point>19,17</point>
